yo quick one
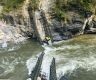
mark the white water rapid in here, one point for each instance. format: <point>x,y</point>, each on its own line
<point>69,58</point>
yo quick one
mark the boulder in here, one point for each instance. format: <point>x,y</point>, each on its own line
<point>66,35</point>
<point>76,19</point>
<point>75,28</point>
<point>56,37</point>
<point>91,27</point>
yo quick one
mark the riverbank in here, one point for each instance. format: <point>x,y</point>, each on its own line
<point>39,21</point>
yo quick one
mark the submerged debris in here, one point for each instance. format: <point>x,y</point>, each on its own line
<point>36,75</point>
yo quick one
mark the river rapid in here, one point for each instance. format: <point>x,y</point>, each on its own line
<point>75,58</point>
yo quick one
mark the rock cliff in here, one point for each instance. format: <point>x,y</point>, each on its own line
<point>39,21</point>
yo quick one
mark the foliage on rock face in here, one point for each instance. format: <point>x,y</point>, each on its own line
<point>60,5</point>
<point>34,4</point>
<point>89,5</point>
<point>58,10</point>
<point>11,4</point>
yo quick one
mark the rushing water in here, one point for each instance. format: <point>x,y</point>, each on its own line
<point>75,58</point>
<point>13,59</point>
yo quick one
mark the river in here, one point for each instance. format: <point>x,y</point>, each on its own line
<point>75,58</point>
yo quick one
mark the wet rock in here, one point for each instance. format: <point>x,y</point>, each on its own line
<point>94,23</point>
<point>59,35</point>
<point>64,31</point>
<point>30,35</point>
<point>90,28</point>
<point>76,19</point>
<point>87,14</point>
<point>56,37</point>
<point>91,31</point>
<point>10,34</point>
<point>56,24</point>
<point>75,28</point>
<point>74,25</point>
<point>66,35</point>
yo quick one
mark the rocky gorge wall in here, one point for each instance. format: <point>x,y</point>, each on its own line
<point>39,23</point>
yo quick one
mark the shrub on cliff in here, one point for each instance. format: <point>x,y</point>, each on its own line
<point>61,7</point>
<point>10,4</point>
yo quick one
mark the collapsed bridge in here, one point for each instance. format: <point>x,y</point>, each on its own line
<point>36,74</point>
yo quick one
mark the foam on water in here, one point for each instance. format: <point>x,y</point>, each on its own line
<point>65,64</point>
<point>7,66</point>
<point>46,61</point>
<point>88,63</point>
<point>29,79</point>
<point>67,47</point>
<point>4,45</point>
<point>73,64</point>
<point>31,63</point>
<point>11,49</point>
<point>49,54</point>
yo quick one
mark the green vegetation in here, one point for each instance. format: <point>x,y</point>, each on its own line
<point>34,4</point>
<point>10,4</point>
<point>58,10</point>
<point>89,5</point>
<point>61,7</point>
